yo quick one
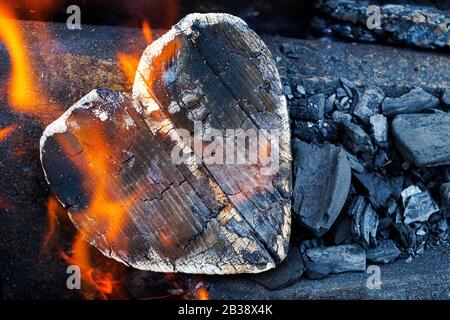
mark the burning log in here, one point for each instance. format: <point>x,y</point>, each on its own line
<point>144,193</point>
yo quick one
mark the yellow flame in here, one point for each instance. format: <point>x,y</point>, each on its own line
<point>23,93</point>
<point>128,64</point>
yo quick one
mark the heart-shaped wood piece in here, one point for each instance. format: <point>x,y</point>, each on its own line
<point>143,179</point>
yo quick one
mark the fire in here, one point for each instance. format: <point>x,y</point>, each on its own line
<point>147,32</point>
<point>202,293</point>
<point>128,64</point>
<point>23,92</point>
<point>53,211</point>
<point>106,209</point>
<point>5,132</point>
<point>99,284</point>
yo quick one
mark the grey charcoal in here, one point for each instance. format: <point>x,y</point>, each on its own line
<point>414,101</point>
<point>311,108</point>
<point>329,103</point>
<point>419,206</point>
<point>386,251</point>
<point>367,103</point>
<point>379,188</point>
<point>379,129</point>
<point>322,183</point>
<point>423,139</point>
<point>289,271</point>
<point>322,261</point>
<point>364,222</point>
<point>356,139</point>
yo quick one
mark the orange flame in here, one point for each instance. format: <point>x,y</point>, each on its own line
<point>53,211</point>
<point>5,132</point>
<point>128,64</point>
<point>100,284</point>
<point>108,210</point>
<point>147,32</point>
<point>202,293</point>
<point>23,92</point>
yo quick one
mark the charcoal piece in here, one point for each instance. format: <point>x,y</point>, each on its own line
<point>329,103</point>
<point>355,164</point>
<point>412,102</point>
<point>356,139</point>
<point>300,90</point>
<point>423,139</point>
<point>321,261</point>
<point>341,93</point>
<point>391,206</point>
<point>364,222</point>
<point>386,251</point>
<point>330,131</point>
<point>379,129</point>
<point>343,104</point>
<point>307,131</point>
<point>367,103</point>
<point>339,117</point>
<point>381,159</point>
<point>348,86</point>
<point>341,231</point>
<point>288,272</point>
<point>397,184</point>
<point>322,182</point>
<point>442,225</point>
<point>419,207</point>
<point>379,188</point>
<point>446,97</point>
<point>404,235</point>
<point>133,202</point>
<point>414,23</point>
<point>311,108</point>
<point>408,192</point>
<point>287,92</point>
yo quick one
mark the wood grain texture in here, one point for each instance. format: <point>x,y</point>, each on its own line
<point>108,158</point>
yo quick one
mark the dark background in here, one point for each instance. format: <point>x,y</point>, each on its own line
<point>284,17</point>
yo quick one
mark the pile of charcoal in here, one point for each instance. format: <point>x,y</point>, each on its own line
<point>371,175</point>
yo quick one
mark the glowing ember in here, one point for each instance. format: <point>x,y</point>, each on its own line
<point>5,132</point>
<point>23,93</point>
<point>5,204</point>
<point>202,293</point>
